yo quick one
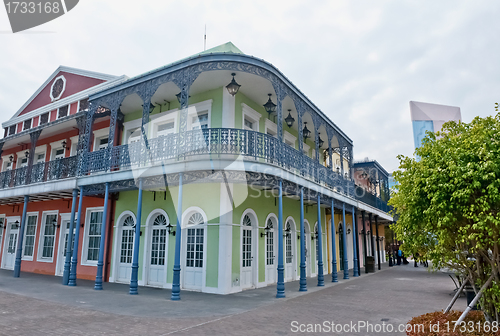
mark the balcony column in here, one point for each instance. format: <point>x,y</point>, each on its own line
<point>137,239</point>
<point>85,134</point>
<point>341,153</point>
<point>316,135</point>
<point>364,240</point>
<point>280,293</point>
<point>184,82</point>
<point>344,236</point>
<point>176,283</point>
<point>303,280</point>
<point>378,242</point>
<point>115,109</point>
<point>321,278</point>
<point>100,262</point>
<point>371,235</point>
<point>67,261</point>
<point>354,244</point>
<point>334,245</point>
<point>34,138</point>
<point>300,113</point>
<point>17,263</point>
<point>74,261</point>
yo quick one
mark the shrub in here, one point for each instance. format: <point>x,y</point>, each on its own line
<point>474,325</point>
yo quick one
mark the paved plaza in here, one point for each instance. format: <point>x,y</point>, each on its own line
<point>40,305</point>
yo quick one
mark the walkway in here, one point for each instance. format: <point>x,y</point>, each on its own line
<point>39,305</point>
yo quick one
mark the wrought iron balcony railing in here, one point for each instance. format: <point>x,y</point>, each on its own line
<point>41,172</point>
<point>221,143</point>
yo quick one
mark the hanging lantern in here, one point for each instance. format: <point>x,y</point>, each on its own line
<point>320,141</point>
<point>233,87</point>
<point>305,132</point>
<point>270,106</point>
<point>289,120</point>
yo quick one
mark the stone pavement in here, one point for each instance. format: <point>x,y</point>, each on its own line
<point>39,305</point>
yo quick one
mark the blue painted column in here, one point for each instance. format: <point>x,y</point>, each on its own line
<point>100,262</point>
<point>74,261</point>
<point>19,251</point>
<point>176,283</point>
<point>303,280</point>
<point>137,239</point>
<point>344,236</point>
<point>280,293</point>
<point>321,278</point>
<point>67,261</point>
<point>334,247</point>
<point>354,244</point>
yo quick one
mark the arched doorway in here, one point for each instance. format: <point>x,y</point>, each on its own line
<point>270,234</point>
<point>156,248</point>
<point>124,247</point>
<point>249,252</point>
<point>194,252</point>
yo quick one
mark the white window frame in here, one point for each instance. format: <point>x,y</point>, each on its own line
<point>305,149</point>
<point>41,237</point>
<point>85,244</point>
<point>67,115</point>
<point>290,138</point>
<point>74,145</point>
<point>252,116</point>
<point>40,150</point>
<point>199,108</point>
<point>54,146</point>
<point>29,214</point>
<point>129,126</point>
<point>31,124</point>
<point>5,161</point>
<point>98,135</point>
<point>271,126</point>
<point>160,119</point>
<point>3,232</point>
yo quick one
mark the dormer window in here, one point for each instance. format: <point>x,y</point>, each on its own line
<point>44,118</point>
<point>84,104</point>
<point>27,125</point>
<point>63,112</point>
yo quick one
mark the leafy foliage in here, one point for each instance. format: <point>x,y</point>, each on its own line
<point>448,202</point>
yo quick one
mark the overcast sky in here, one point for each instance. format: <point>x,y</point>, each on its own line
<point>360,62</point>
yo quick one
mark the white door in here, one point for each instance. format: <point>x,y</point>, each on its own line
<point>271,270</point>
<point>11,245</point>
<point>2,221</point>
<point>289,253</point>
<point>195,252</point>
<point>247,266</point>
<point>157,256</point>
<point>63,247</point>
<point>126,250</point>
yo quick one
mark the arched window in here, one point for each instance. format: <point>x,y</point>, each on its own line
<point>246,242</point>
<point>270,243</point>
<point>288,244</point>
<point>158,240</point>
<point>195,236</point>
<point>127,246</point>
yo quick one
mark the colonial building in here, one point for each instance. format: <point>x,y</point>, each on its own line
<point>214,173</point>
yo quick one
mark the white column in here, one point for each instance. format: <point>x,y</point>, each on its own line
<point>228,109</point>
<point>225,238</point>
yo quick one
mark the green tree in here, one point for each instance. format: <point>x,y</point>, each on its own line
<point>448,203</point>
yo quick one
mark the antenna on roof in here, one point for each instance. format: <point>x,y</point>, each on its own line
<point>205,44</point>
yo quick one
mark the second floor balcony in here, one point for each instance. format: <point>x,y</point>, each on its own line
<point>41,172</point>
